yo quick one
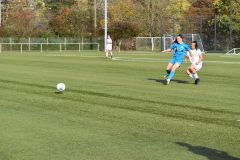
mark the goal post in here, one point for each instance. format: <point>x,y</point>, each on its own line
<point>164,42</point>
<point>234,51</point>
<point>152,43</point>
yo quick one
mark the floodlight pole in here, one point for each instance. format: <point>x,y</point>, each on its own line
<point>95,17</point>
<point>105,24</point>
<point>0,14</point>
<point>230,43</point>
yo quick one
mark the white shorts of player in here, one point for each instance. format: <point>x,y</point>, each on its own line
<point>109,47</point>
<point>197,67</point>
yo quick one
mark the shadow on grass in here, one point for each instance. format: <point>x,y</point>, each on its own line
<point>211,154</point>
<point>58,92</point>
<point>164,82</point>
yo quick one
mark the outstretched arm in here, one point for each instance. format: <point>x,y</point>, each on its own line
<point>167,50</point>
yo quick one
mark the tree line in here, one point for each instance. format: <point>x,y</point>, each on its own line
<point>127,18</point>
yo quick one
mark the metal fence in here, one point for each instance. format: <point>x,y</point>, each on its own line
<point>46,44</point>
<point>215,37</point>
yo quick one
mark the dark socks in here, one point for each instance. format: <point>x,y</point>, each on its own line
<point>168,71</point>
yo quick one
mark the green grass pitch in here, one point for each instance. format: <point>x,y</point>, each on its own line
<point>117,109</point>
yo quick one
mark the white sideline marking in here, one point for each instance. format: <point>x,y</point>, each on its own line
<point>72,55</point>
<point>231,56</point>
<point>128,59</point>
<point>221,62</point>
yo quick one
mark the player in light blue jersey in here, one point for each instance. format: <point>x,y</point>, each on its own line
<point>179,48</point>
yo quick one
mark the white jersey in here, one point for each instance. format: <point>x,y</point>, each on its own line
<point>109,44</point>
<point>196,56</point>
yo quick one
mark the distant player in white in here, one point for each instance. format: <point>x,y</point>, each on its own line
<point>196,62</point>
<point>109,47</point>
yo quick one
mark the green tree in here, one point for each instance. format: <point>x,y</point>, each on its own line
<point>72,21</point>
<point>122,21</point>
<point>201,8</point>
<point>23,20</point>
<point>176,9</point>
<point>151,14</point>
<point>222,10</point>
<point>56,5</point>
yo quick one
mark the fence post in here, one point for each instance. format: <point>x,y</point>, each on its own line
<point>29,44</point>
<point>82,43</point>
<point>21,48</point>
<point>162,30</point>
<point>65,43</point>
<point>152,43</point>
<point>10,40</point>
<point>164,43</point>
<point>41,47</point>
<point>60,47</point>
<point>79,47</point>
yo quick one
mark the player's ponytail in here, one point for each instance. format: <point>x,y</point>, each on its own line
<point>175,41</point>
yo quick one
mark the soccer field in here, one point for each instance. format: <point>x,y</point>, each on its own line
<point>117,109</point>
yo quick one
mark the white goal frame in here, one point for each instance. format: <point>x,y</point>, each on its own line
<point>234,51</point>
<point>164,42</point>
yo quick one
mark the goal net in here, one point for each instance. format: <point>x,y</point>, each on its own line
<point>234,51</point>
<point>162,43</point>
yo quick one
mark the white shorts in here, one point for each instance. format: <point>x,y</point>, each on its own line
<point>197,67</point>
<point>109,47</point>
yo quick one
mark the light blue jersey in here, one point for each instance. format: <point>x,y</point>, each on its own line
<point>179,52</point>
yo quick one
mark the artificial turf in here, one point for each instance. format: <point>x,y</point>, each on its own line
<point>117,109</point>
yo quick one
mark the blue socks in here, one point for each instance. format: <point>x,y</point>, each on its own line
<point>171,75</point>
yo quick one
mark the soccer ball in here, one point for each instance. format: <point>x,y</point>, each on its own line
<point>60,87</point>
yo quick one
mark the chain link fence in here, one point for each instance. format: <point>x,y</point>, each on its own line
<point>215,35</point>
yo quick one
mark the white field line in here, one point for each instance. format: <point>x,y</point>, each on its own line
<point>72,55</point>
<point>231,56</point>
<point>128,59</point>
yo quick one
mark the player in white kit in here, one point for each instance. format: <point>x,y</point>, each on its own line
<point>196,62</point>
<point>109,47</point>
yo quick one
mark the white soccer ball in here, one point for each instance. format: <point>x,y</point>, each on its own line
<point>60,87</point>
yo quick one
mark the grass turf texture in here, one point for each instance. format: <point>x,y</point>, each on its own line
<point>117,109</point>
